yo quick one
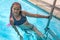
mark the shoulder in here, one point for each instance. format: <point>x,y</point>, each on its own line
<point>11,21</point>
<point>24,13</point>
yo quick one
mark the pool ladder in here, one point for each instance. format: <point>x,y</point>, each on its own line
<point>47,29</point>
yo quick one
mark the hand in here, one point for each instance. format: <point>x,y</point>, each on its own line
<point>48,17</point>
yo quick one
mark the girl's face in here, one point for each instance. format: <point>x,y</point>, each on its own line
<point>16,10</point>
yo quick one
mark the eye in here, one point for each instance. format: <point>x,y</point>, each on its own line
<point>16,9</point>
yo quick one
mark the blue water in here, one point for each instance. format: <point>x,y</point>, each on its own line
<point>8,33</point>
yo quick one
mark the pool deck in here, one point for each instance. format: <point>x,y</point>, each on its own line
<point>47,5</point>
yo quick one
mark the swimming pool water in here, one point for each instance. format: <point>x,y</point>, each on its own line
<point>8,33</point>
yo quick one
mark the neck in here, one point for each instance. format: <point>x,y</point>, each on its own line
<point>17,17</point>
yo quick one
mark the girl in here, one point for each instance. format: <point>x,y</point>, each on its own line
<point>18,17</point>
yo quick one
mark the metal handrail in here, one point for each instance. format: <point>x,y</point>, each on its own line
<point>51,13</point>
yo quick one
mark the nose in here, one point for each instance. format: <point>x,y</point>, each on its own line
<point>15,11</point>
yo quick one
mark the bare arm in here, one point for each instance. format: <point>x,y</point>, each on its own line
<point>35,15</point>
<point>14,27</point>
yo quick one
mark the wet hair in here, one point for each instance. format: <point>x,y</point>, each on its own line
<point>15,3</point>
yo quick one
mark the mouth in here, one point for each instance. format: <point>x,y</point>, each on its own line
<point>17,14</point>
